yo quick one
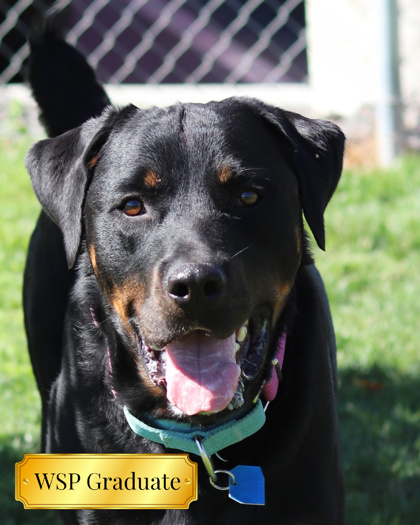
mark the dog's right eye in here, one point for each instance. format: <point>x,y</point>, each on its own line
<point>133,207</point>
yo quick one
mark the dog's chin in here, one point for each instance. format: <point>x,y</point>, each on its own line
<point>203,376</point>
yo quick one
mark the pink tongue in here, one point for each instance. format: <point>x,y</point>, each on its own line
<point>201,372</point>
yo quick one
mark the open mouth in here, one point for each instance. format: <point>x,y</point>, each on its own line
<point>203,374</point>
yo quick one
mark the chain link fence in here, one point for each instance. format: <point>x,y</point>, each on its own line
<point>170,41</point>
<point>198,50</point>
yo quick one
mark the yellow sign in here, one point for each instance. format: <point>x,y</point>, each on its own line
<point>106,481</point>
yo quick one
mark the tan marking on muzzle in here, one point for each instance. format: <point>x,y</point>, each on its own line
<point>133,292</point>
<point>283,290</point>
<point>119,306</point>
<point>130,292</point>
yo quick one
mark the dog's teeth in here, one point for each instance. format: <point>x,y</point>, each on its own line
<point>237,347</point>
<point>241,334</point>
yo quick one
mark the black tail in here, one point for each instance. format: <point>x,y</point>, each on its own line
<point>62,82</point>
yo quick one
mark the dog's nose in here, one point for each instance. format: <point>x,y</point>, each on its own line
<point>196,285</point>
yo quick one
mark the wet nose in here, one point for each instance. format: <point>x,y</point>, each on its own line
<point>196,285</point>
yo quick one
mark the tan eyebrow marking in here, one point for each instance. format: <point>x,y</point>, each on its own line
<point>152,179</point>
<point>225,174</point>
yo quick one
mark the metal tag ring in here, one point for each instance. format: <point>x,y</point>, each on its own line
<point>223,472</point>
<point>206,458</point>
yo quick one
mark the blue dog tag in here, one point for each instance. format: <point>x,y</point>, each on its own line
<point>248,487</point>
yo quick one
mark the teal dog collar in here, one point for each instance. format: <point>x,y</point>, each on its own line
<point>182,436</point>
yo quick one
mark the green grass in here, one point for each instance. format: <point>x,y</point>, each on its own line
<point>371,270</point>
<point>19,400</point>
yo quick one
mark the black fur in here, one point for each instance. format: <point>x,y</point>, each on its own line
<point>194,228</point>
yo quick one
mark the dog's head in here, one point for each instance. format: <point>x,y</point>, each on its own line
<point>192,219</point>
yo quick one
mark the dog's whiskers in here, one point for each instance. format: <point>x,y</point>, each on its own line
<point>240,251</point>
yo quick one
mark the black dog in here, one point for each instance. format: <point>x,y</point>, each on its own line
<point>192,273</point>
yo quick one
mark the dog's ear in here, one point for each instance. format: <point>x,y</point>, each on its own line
<point>60,170</point>
<point>315,150</point>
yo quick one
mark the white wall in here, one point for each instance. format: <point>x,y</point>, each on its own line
<point>343,54</point>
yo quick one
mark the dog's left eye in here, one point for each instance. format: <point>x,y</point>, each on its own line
<point>133,207</point>
<point>249,198</point>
